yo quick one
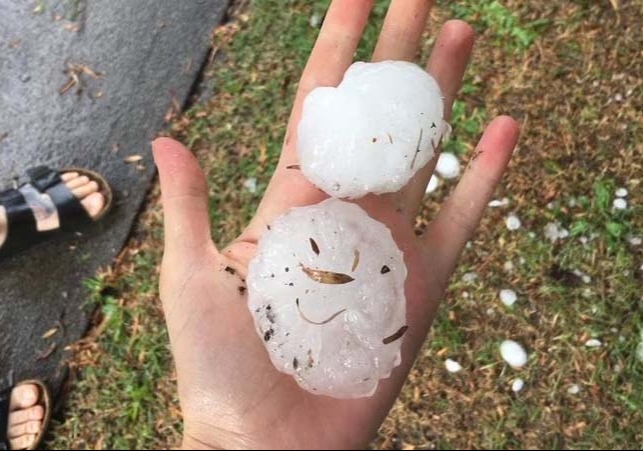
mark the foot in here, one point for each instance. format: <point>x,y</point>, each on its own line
<point>25,416</point>
<point>85,190</point>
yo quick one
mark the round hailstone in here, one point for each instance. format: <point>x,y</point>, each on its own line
<point>620,204</point>
<point>373,132</point>
<point>434,182</point>
<point>508,297</point>
<point>326,291</point>
<point>452,366</point>
<point>448,166</point>
<point>517,385</point>
<point>513,353</point>
<point>621,192</point>
<point>513,222</point>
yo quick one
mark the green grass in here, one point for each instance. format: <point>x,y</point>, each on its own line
<point>572,157</point>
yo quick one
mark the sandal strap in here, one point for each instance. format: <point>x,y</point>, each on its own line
<point>71,212</point>
<point>5,400</point>
<point>22,224</point>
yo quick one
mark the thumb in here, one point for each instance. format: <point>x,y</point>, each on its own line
<point>184,193</point>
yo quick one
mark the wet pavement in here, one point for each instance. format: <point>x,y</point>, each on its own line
<point>84,83</point>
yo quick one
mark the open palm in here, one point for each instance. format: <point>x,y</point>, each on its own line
<point>230,393</point>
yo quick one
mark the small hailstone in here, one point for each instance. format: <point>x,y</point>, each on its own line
<point>491,312</point>
<point>618,97</point>
<point>373,132</point>
<point>250,184</point>
<point>551,206</point>
<point>593,343</point>
<point>620,204</point>
<point>554,232</point>
<point>326,292</point>
<point>508,266</point>
<point>583,240</point>
<point>433,184</point>
<point>508,297</point>
<point>585,278</point>
<point>499,203</point>
<point>448,166</point>
<point>513,222</point>
<point>621,192</point>
<point>587,293</point>
<point>513,353</point>
<point>573,390</point>
<point>517,385</point>
<point>571,203</point>
<point>315,20</point>
<point>469,277</point>
<point>452,366</point>
<point>636,241</point>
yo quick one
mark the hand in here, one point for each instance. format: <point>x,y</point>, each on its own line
<point>230,393</point>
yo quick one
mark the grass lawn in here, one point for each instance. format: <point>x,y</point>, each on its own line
<point>571,71</point>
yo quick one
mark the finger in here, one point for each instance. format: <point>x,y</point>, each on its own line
<point>402,31</point>
<point>185,198</point>
<point>460,215</point>
<point>447,64</point>
<point>331,56</point>
<point>333,52</point>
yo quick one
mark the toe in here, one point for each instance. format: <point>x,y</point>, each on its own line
<point>69,176</point>
<point>94,204</point>
<point>83,191</point>
<point>23,442</point>
<point>28,428</point>
<point>36,413</point>
<point>77,182</point>
<point>24,396</point>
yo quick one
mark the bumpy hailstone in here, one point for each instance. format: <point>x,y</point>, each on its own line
<point>508,297</point>
<point>373,132</point>
<point>513,353</point>
<point>517,385</point>
<point>452,366</point>
<point>326,291</point>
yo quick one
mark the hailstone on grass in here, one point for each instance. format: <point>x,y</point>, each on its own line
<point>373,132</point>
<point>326,291</point>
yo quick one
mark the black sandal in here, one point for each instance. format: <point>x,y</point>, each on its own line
<point>22,229</point>
<point>5,403</point>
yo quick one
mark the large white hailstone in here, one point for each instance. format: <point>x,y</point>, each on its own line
<point>448,166</point>
<point>513,353</point>
<point>373,132</point>
<point>326,291</point>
